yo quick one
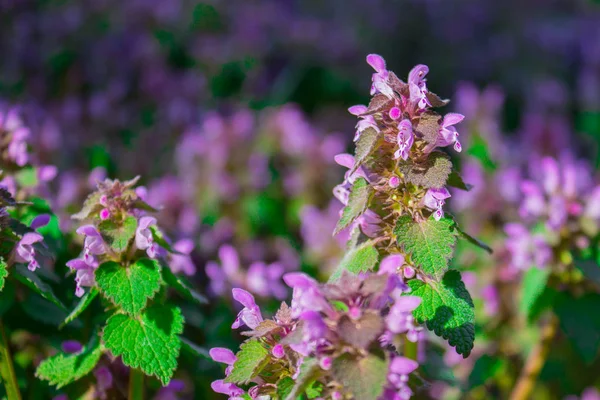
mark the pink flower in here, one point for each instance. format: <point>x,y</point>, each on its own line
<point>417,86</point>
<point>435,199</point>
<point>250,314</point>
<point>405,139</point>
<point>183,262</point>
<point>380,76</point>
<point>366,121</point>
<point>93,245</point>
<point>143,236</point>
<point>448,134</point>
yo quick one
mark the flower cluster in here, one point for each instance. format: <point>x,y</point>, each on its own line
<point>337,338</point>
<point>20,174</point>
<point>120,229</point>
<point>330,328</point>
<point>560,212</point>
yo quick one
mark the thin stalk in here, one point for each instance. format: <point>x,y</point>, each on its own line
<point>136,384</point>
<point>535,361</point>
<point>7,370</point>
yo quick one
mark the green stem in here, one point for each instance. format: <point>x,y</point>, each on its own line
<point>411,349</point>
<point>7,370</point>
<point>136,384</point>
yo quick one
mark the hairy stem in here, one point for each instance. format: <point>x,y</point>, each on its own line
<point>535,361</point>
<point>7,370</point>
<point>136,384</point>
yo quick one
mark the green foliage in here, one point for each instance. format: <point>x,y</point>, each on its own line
<point>27,177</point>
<point>33,282</point>
<point>429,242</point>
<point>91,206</point>
<point>7,297</point>
<point>580,321</point>
<point>182,287</point>
<point>309,371</point>
<point>357,203</point>
<point>251,359</point>
<point>366,144</point>
<point>81,306</point>
<point>62,369</point>
<point>129,287</point>
<point>472,240</point>
<point>284,387</point>
<point>118,235</point>
<point>486,368</point>
<point>363,377</point>
<point>480,150</point>
<point>456,180</point>
<point>432,173</point>
<point>447,309</point>
<point>149,342</point>
<point>359,259</point>
<point>532,287</point>
<point>3,272</point>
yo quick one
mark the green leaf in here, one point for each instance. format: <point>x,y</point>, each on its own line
<point>251,359</point>
<point>84,302</point>
<point>590,269</point>
<point>455,180</point>
<point>363,377</point>
<point>429,242</point>
<point>159,238</point>
<point>360,259</point>
<point>580,321</point>
<point>473,240</point>
<point>7,297</point>
<point>27,177</point>
<point>3,272</point>
<point>447,309</point>
<point>42,310</point>
<point>284,387</point>
<point>433,173</point>
<point>486,368</point>
<point>177,283</point>
<point>193,349</point>
<point>90,206</point>
<point>479,149</point>
<point>309,371</point>
<point>118,235</point>
<point>366,144</point>
<point>129,287</point>
<point>532,287</point>
<point>32,281</point>
<point>62,369</point>
<point>379,102</point>
<point>357,204</point>
<point>149,342</point>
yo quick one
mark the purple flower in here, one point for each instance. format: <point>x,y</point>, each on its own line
<point>93,245</point>
<point>347,160</point>
<point>170,391</point>
<point>405,139</point>
<point>394,182</point>
<point>400,319</point>
<point>225,356</point>
<point>448,134</point>
<point>380,76</point>
<point>435,199</point>
<point>366,121</point>
<point>229,389</point>
<point>526,250</point>
<point>417,86</point>
<point>25,252</point>
<point>71,346</point>
<point>143,236</point>
<point>391,264</point>
<point>399,369</point>
<point>307,295</point>
<point>278,351</point>
<point>534,203</point>
<point>250,314</point>
<point>265,279</point>
<point>104,381</point>
<point>183,262</point>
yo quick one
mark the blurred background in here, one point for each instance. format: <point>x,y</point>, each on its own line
<point>231,112</point>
